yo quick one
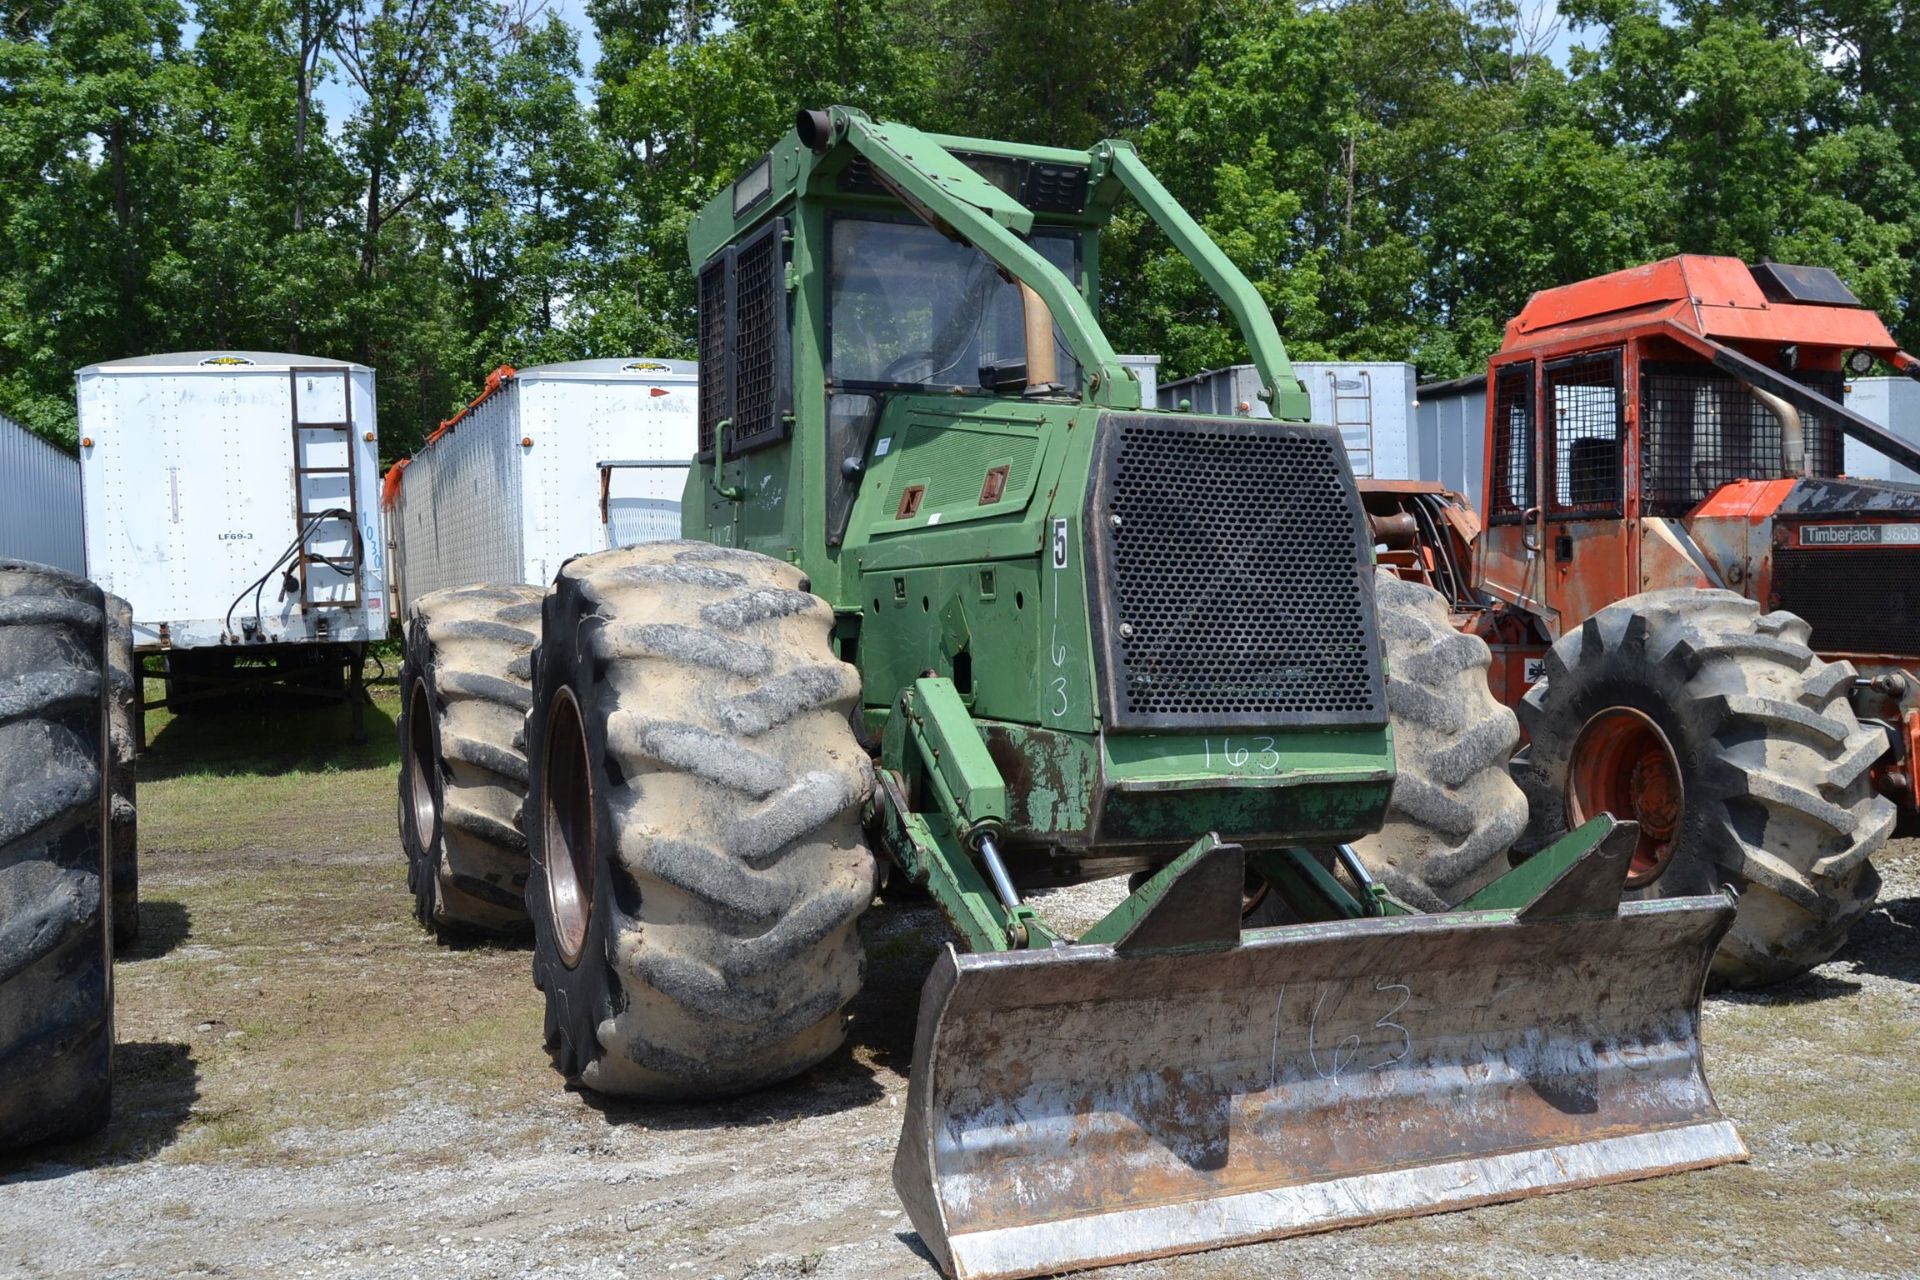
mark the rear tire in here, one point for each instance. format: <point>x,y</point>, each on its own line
<point>1771,762</point>
<point>465,688</point>
<point>693,820</point>
<point>121,721</point>
<point>1455,811</point>
<point>56,970</point>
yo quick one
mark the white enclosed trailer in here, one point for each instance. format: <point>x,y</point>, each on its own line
<point>232,498</point>
<point>1370,402</point>
<point>1893,403</point>
<point>39,501</point>
<point>547,462</point>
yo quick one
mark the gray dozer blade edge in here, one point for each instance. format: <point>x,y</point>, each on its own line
<point>1087,1105</point>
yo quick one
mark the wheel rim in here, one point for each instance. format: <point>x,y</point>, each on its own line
<point>422,766</point>
<point>568,823</point>
<point>1623,764</point>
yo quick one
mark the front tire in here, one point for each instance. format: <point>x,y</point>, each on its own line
<point>56,970</point>
<point>1717,728</point>
<point>697,860</point>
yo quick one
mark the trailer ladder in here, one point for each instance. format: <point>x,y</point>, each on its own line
<point>312,505</point>
<point>1353,415</point>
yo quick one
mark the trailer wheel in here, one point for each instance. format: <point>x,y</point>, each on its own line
<point>56,971</point>
<point>1455,810</point>
<point>693,819</point>
<point>122,720</point>
<point>463,765</point>
<point>1717,728</point>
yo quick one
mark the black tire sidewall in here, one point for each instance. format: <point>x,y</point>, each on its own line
<point>423,856</point>
<point>60,1086</point>
<point>578,997</point>
<point>1614,676</point>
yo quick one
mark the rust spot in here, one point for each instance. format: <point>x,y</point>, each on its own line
<point>995,486</point>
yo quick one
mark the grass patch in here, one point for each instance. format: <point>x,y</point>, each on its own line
<point>289,981</point>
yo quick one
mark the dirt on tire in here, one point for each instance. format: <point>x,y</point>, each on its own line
<point>1455,810</point>
<point>1778,802</point>
<point>125,749</point>
<point>56,974</point>
<point>465,688</point>
<point>693,819</point>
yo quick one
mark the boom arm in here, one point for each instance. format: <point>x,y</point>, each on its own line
<point>1288,401</point>
<point>1865,430</point>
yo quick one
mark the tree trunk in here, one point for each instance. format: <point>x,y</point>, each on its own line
<point>370,244</point>
<point>303,98</point>
<point>123,219</point>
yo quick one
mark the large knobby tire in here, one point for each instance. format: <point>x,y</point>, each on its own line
<point>125,748</point>
<point>1757,777</point>
<point>465,688</point>
<point>698,862</point>
<point>56,970</point>
<point>1455,811</point>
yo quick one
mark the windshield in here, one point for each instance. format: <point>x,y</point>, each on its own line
<point>909,306</point>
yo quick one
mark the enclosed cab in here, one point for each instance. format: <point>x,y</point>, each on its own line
<point>1703,623</point>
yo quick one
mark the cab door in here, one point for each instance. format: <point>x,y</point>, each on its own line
<point>1509,565</point>
<point>1585,556</point>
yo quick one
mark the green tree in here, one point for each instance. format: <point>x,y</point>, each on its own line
<point>530,191</point>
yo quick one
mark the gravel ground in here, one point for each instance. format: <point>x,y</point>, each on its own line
<point>310,1087</point>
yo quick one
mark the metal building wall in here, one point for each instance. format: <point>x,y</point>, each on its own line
<point>1451,422</point>
<point>39,500</point>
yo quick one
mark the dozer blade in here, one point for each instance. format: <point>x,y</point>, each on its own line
<point>1085,1105</point>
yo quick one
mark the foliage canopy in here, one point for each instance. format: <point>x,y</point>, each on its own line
<point>1395,175</point>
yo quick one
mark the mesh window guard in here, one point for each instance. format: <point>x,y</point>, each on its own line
<point>760,407</point>
<point>1512,443</point>
<point>1826,443</point>
<point>1701,429</point>
<point>1583,397</point>
<point>716,402</point>
<point>746,376</point>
